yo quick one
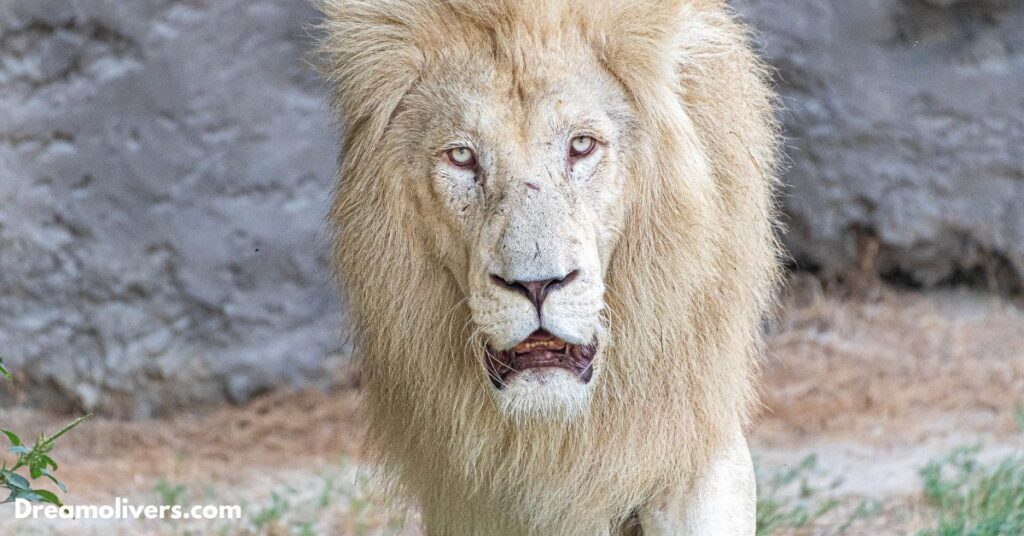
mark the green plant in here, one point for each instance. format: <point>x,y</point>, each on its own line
<point>172,494</point>
<point>279,505</point>
<point>35,459</point>
<point>774,512</point>
<point>972,499</point>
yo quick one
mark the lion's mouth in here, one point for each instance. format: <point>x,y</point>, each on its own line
<point>540,350</point>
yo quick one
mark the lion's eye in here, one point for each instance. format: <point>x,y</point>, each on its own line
<point>462,156</point>
<point>581,146</point>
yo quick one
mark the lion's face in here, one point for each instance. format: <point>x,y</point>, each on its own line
<point>521,191</point>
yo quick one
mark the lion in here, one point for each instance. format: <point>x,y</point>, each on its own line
<point>555,232</point>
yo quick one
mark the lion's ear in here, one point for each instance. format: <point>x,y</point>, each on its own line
<point>369,55</point>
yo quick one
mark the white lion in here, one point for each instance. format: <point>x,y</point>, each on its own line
<point>554,231</point>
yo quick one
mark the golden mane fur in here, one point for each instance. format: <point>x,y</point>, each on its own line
<point>688,284</point>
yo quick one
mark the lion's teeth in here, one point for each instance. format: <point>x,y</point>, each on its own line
<point>534,345</point>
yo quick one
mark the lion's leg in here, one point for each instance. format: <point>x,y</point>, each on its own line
<point>722,503</point>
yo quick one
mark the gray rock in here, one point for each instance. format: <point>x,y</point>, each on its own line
<point>905,121</point>
<point>165,169</point>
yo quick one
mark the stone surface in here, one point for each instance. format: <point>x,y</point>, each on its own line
<point>165,169</point>
<point>905,121</point>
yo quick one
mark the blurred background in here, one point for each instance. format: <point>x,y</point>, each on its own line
<point>165,169</point>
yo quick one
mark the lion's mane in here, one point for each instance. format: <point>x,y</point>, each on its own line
<point>688,284</point>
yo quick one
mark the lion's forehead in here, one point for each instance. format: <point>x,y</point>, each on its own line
<point>480,93</point>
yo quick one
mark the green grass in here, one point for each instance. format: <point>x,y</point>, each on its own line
<point>170,493</point>
<point>788,499</point>
<point>972,499</point>
<point>278,507</point>
<point>964,497</point>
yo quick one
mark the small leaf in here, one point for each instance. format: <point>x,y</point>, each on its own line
<point>60,484</point>
<point>15,440</point>
<point>49,461</point>
<point>47,496</point>
<point>16,481</point>
<point>35,472</point>
<point>3,369</point>
<point>19,449</point>
<point>26,494</point>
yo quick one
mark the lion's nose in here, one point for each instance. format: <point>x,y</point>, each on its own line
<point>535,291</point>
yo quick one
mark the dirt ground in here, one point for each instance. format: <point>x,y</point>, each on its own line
<point>859,394</point>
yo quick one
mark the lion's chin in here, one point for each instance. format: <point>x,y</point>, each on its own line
<point>542,376</point>
<point>544,393</point>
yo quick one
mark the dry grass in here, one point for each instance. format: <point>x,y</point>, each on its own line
<point>903,363</point>
<point>111,456</point>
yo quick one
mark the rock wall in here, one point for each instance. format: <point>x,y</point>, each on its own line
<point>905,121</point>
<point>165,167</point>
